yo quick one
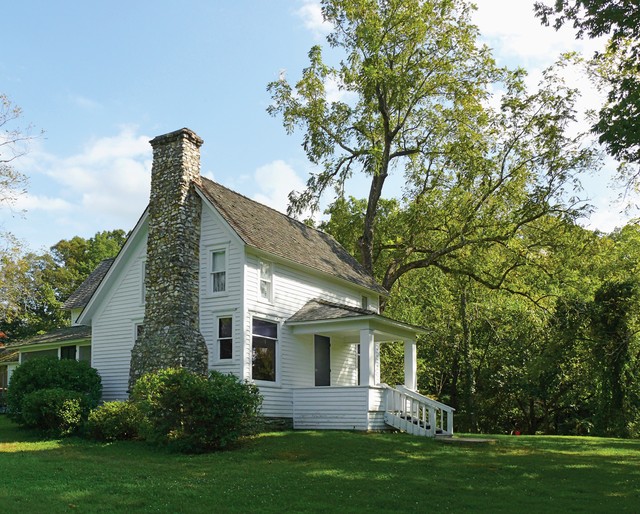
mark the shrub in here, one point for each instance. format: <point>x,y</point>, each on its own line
<point>114,421</point>
<point>193,413</point>
<point>56,411</point>
<point>51,373</point>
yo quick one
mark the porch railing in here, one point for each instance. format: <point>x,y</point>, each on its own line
<point>417,414</point>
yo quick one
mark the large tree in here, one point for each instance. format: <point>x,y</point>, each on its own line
<point>618,67</point>
<point>418,103</point>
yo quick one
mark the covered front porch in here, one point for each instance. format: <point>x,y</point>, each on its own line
<point>368,404</point>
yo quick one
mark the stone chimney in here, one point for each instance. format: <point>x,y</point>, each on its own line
<point>171,336</point>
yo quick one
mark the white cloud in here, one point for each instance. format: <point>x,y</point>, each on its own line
<point>337,94</point>
<point>275,181</point>
<point>513,31</point>
<point>29,202</point>
<point>104,186</point>
<point>311,15</point>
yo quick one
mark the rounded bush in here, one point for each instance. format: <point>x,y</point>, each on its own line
<point>51,373</point>
<point>194,413</point>
<point>115,421</point>
<point>56,411</point>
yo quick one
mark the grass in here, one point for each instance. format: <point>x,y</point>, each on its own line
<point>321,472</point>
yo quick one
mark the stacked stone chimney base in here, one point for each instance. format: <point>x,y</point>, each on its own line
<point>175,346</point>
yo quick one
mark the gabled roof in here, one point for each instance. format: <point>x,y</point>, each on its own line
<point>81,296</point>
<point>270,231</point>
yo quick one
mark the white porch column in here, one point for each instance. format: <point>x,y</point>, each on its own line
<point>410,365</point>
<point>367,358</point>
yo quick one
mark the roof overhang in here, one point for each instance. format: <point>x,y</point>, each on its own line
<point>384,329</point>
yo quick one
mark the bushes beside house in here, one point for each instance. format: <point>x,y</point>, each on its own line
<point>181,410</point>
<point>53,395</point>
<point>176,408</point>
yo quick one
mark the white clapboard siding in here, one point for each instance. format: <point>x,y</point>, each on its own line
<point>216,235</point>
<point>339,408</point>
<point>292,289</point>
<point>113,326</point>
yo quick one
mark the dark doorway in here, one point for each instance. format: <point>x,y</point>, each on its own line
<point>323,360</point>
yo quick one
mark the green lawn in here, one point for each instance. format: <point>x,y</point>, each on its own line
<point>321,472</point>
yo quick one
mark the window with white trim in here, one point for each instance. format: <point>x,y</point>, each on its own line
<point>264,340</point>
<point>225,338</point>
<point>218,271</point>
<point>266,281</point>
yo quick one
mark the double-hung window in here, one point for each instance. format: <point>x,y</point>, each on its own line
<point>264,344</point>
<point>218,271</point>
<point>266,281</point>
<point>225,338</point>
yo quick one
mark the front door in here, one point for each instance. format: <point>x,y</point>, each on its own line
<point>322,360</point>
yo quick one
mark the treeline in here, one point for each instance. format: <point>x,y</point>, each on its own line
<point>34,285</point>
<point>558,353</point>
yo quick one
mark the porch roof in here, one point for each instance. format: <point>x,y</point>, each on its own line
<point>324,317</point>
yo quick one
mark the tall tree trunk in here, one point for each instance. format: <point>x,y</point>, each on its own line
<point>468,382</point>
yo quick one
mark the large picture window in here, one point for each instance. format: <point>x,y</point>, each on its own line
<point>264,342</point>
<point>225,338</point>
<point>218,271</point>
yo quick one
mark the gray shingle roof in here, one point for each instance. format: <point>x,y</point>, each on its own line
<point>8,354</point>
<point>59,335</point>
<point>320,310</point>
<point>324,310</point>
<point>268,230</point>
<point>81,296</point>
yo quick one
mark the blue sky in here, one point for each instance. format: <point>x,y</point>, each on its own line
<point>103,78</point>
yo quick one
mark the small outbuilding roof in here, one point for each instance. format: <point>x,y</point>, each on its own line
<point>59,335</point>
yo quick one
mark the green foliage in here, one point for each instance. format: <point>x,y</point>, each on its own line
<point>613,324</point>
<point>617,69</point>
<point>59,412</point>
<point>51,373</point>
<point>486,189</point>
<point>192,413</point>
<point>34,286</point>
<point>115,421</point>
<point>77,257</point>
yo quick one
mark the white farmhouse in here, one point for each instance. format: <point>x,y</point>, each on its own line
<point>274,301</point>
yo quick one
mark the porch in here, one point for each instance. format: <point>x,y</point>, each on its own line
<point>370,408</point>
<point>365,403</point>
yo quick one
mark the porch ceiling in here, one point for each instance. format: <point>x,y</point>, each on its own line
<point>324,317</point>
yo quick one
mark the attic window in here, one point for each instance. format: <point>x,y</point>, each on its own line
<point>218,271</point>
<point>266,281</point>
